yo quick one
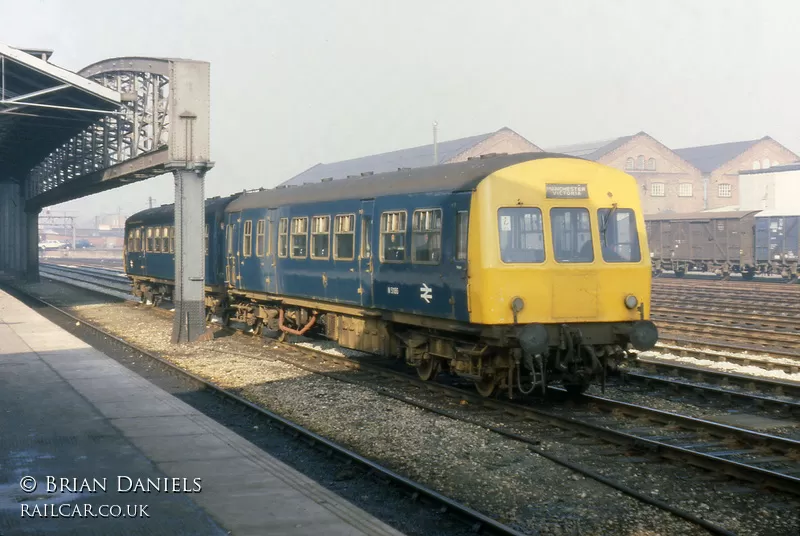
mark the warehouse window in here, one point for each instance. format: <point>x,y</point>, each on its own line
<point>462,226</point>
<point>426,236</point>
<point>320,237</point>
<point>756,164</point>
<point>685,189</point>
<point>299,238</point>
<point>657,189</point>
<point>206,241</point>
<point>765,163</point>
<point>640,162</point>
<point>629,163</point>
<point>521,235</point>
<point>724,190</point>
<point>366,237</point>
<point>247,238</point>
<point>260,230</point>
<point>572,235</point>
<point>344,241</point>
<point>618,237</point>
<point>165,237</point>
<point>283,237</point>
<point>157,240</point>
<point>393,236</point>
<point>651,164</point>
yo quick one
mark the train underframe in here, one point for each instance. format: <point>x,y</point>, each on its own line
<point>516,360</point>
<point>787,269</point>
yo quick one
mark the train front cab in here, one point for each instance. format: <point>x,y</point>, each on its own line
<point>558,255</point>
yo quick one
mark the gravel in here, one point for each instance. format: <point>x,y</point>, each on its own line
<point>492,474</point>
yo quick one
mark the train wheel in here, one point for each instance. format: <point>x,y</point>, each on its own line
<point>748,276</point>
<point>428,369</point>
<point>680,273</point>
<point>486,386</point>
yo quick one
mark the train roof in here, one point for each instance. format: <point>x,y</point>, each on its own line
<point>165,213</point>
<point>699,216</point>
<point>460,176</point>
<point>774,213</point>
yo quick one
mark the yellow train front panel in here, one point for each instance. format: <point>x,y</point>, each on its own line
<point>557,240</point>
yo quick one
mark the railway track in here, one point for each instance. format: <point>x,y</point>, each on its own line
<point>714,446</point>
<point>478,521</point>
<point>712,385</point>
<point>591,422</point>
<point>97,279</point>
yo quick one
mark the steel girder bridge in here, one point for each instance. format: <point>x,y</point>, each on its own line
<point>66,135</point>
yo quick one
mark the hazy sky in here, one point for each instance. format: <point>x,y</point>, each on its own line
<point>296,82</point>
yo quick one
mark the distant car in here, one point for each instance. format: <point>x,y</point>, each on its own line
<point>83,244</point>
<point>51,244</point>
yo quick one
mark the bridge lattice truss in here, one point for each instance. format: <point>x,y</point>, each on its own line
<point>141,128</point>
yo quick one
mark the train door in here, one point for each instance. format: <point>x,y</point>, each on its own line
<point>232,249</point>
<point>270,264</point>
<point>365,261</point>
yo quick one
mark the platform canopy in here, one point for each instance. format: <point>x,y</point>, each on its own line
<point>42,106</point>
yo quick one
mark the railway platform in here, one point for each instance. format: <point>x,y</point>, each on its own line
<point>89,447</point>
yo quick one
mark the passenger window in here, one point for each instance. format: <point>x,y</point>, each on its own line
<point>206,241</point>
<point>157,241</point>
<point>572,235</point>
<point>393,237</point>
<point>299,238</point>
<point>149,240</point>
<point>165,240</point>
<point>462,226</point>
<point>247,238</point>
<point>320,237</point>
<point>426,236</point>
<point>131,246</point>
<point>283,237</point>
<point>260,230</point>
<point>366,237</point>
<point>521,235</point>
<point>230,239</point>
<point>618,236</point>
<point>172,239</point>
<point>344,239</point>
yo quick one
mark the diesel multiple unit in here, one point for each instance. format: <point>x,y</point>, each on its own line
<point>513,271</point>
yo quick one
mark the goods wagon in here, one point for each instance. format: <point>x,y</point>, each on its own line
<point>744,242</point>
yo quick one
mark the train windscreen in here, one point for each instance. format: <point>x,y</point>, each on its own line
<point>521,235</point>
<point>572,235</point>
<point>618,236</point>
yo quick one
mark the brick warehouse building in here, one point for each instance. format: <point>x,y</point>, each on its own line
<point>684,180</point>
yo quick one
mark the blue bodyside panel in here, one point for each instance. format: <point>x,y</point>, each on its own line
<point>437,290</point>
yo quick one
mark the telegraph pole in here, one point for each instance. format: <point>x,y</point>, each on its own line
<point>435,144</point>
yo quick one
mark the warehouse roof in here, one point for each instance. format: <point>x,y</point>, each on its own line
<point>592,150</point>
<point>413,157</point>
<point>707,158</point>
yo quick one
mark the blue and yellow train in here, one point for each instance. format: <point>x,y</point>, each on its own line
<point>514,270</point>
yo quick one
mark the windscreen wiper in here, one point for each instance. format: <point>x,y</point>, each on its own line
<point>605,223</point>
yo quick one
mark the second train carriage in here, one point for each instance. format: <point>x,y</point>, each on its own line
<point>512,270</point>
<point>149,255</point>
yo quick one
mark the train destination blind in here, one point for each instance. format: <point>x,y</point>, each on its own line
<point>566,191</point>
